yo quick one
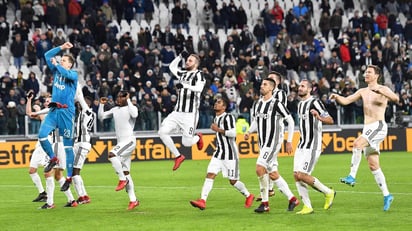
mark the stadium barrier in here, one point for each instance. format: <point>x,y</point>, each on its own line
<point>16,153</point>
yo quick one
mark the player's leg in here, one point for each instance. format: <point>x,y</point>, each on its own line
<point>114,158</point>
<point>373,161</point>
<point>126,163</point>
<point>262,164</point>
<point>81,152</point>
<point>47,126</point>
<point>38,158</point>
<point>230,170</point>
<point>213,169</point>
<point>169,124</point>
<point>358,145</point>
<point>49,190</point>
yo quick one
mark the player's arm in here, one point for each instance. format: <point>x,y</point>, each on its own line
<point>132,108</point>
<point>41,112</point>
<point>252,128</point>
<point>101,114</point>
<point>49,55</point>
<point>174,66</point>
<point>387,92</point>
<point>80,98</point>
<point>346,100</point>
<point>229,128</point>
<point>319,112</point>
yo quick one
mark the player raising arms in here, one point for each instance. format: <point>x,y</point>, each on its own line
<point>124,115</point>
<point>375,98</point>
<point>62,109</point>
<point>186,112</point>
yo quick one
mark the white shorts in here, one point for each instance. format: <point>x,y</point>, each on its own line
<point>374,133</point>
<point>229,168</point>
<point>124,150</point>
<point>268,159</point>
<point>80,150</point>
<point>58,149</point>
<point>180,121</point>
<point>305,160</point>
<point>39,157</point>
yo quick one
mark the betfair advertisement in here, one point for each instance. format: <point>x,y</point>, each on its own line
<point>17,153</point>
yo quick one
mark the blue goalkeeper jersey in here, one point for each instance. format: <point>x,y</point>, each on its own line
<point>64,81</point>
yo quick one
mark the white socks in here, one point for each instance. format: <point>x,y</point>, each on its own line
<point>130,188</point>
<point>79,185</point>
<point>283,187</point>
<point>264,184</point>
<point>304,193</point>
<point>356,159</point>
<point>207,187</point>
<point>37,181</point>
<point>381,181</point>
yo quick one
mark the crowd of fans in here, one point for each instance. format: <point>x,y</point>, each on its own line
<point>289,41</point>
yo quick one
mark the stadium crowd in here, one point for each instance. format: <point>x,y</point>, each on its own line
<point>287,40</point>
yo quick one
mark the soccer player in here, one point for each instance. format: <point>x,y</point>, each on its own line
<point>185,115</point>
<point>226,156</point>
<point>280,95</point>
<point>375,98</point>
<point>84,124</point>
<point>124,115</point>
<point>268,113</point>
<point>312,113</point>
<point>39,155</point>
<point>62,109</point>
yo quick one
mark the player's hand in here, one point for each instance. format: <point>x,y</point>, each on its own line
<point>214,127</point>
<point>103,100</point>
<point>333,96</point>
<point>184,54</point>
<point>30,94</point>
<point>66,45</point>
<point>179,85</point>
<point>314,113</point>
<point>53,61</point>
<point>289,148</point>
<point>247,135</point>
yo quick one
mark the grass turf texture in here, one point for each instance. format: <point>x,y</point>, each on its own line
<point>165,196</point>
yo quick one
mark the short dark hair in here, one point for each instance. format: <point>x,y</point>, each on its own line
<point>71,58</point>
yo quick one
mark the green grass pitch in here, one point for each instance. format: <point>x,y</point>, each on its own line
<point>165,196</point>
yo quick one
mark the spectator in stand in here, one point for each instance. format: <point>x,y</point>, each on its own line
<point>61,19</point>
<point>4,31</point>
<point>336,23</point>
<point>177,16</point>
<point>324,25</point>
<point>17,49</point>
<point>300,11</point>
<point>241,17</point>
<point>345,56</point>
<point>259,31</point>
<point>382,22</point>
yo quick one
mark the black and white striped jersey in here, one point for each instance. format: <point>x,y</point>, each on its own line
<point>226,147</point>
<point>84,125</point>
<point>280,95</point>
<point>310,128</point>
<point>188,99</point>
<point>268,118</point>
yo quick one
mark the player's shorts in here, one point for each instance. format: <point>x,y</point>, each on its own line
<point>374,133</point>
<point>305,160</point>
<point>80,150</point>
<point>229,168</point>
<point>266,158</point>
<point>63,119</point>
<point>180,121</point>
<point>39,157</point>
<point>124,151</point>
<point>58,149</point>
